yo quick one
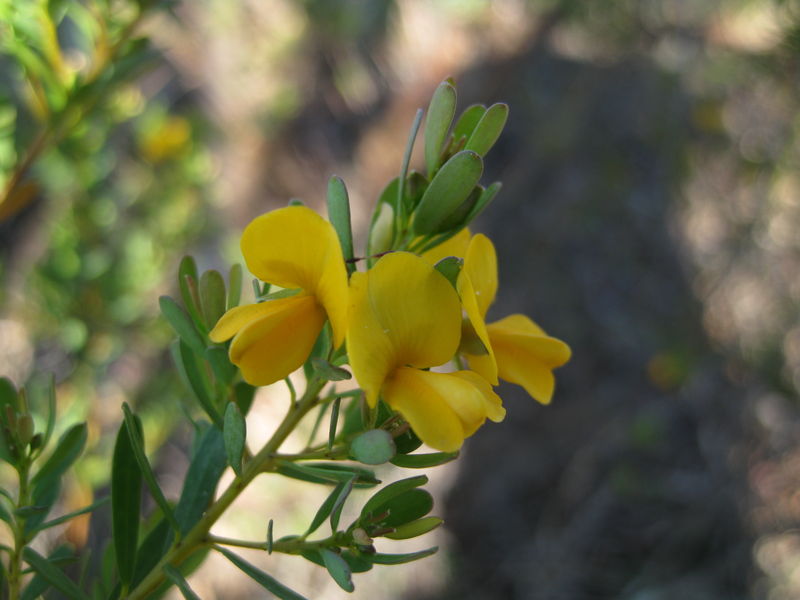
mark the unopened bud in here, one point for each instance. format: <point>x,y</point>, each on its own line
<point>382,233</point>
<point>24,429</point>
<point>360,537</point>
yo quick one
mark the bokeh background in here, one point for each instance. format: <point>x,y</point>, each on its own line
<point>649,217</point>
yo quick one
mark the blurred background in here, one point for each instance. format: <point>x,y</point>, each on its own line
<point>648,217</point>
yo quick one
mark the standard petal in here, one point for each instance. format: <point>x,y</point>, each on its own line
<point>295,247</point>
<point>416,308</point>
<point>480,264</point>
<point>455,246</point>
<point>369,349</point>
<point>422,405</point>
<point>273,346</point>
<point>232,321</point>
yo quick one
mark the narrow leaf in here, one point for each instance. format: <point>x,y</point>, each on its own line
<point>327,473</point>
<point>38,585</point>
<point>391,491</point>
<point>51,412</point>
<point>69,447</point>
<point>54,576</point>
<point>440,115</point>
<point>126,494</point>
<point>194,377</point>
<point>339,569</point>
<point>76,513</point>
<point>223,369</point>
<point>450,187</point>
<point>488,129</point>
<point>208,463</point>
<point>182,324</point>
<point>325,508</point>
<point>398,559</point>
<point>423,461</point>
<point>339,216</point>
<point>234,435</point>
<point>415,528</point>
<point>467,121</point>
<point>234,286</point>
<point>136,435</point>
<point>266,581</point>
<point>485,198</point>
<point>212,297</point>
<point>338,505</point>
<point>187,283</point>
<point>180,582</point>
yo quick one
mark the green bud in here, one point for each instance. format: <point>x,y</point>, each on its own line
<point>382,233</point>
<point>36,441</point>
<point>25,429</point>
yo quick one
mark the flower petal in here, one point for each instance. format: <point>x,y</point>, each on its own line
<point>402,312</point>
<point>488,367</point>
<point>410,392</point>
<point>521,332</point>
<point>455,246</point>
<point>492,402</point>
<point>480,264</point>
<point>271,347</point>
<point>295,247</point>
<point>526,357</point>
<point>236,318</point>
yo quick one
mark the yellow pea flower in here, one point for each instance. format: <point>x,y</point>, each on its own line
<point>406,317</point>
<point>517,349</point>
<point>291,247</point>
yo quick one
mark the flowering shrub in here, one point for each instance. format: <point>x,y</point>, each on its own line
<point>408,318</point>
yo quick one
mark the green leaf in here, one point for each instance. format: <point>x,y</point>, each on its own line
<point>8,396</point>
<point>338,504</point>
<point>126,494</point>
<point>423,461</point>
<point>414,528</point>
<point>244,393</point>
<point>212,297</point>
<point>448,190</point>
<point>334,421</point>
<point>373,447</point>
<point>328,371</point>
<point>53,575</point>
<point>450,267</point>
<point>234,434</point>
<point>223,369</point>
<point>51,412</point>
<point>488,129</point>
<point>485,198</point>
<point>467,121</point>
<point>136,435</point>
<point>180,582</point>
<point>266,581</point>
<point>357,562</point>
<point>416,184</point>
<point>194,377</point>
<point>152,549</point>
<point>327,473</point>
<point>47,480</point>
<point>75,513</point>
<point>234,286</point>
<point>5,515</point>
<point>339,569</point>
<point>381,228</point>
<point>187,283</point>
<point>339,216</point>
<point>404,508</point>
<point>182,324</point>
<point>208,463</point>
<point>407,442</point>
<point>398,559</point>
<point>39,585</point>
<point>440,115</point>
<point>326,508</point>
<point>391,491</point>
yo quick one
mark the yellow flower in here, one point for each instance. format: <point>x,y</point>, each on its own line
<point>514,348</point>
<point>405,317</point>
<point>291,247</point>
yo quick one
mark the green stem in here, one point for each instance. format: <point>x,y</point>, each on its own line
<point>291,546</point>
<point>264,461</point>
<point>15,560</point>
